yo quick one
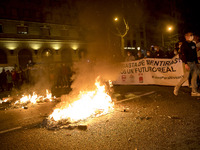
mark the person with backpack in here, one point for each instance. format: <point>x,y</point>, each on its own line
<point>188,55</point>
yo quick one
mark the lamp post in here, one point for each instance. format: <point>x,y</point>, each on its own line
<point>122,34</point>
<point>169,29</point>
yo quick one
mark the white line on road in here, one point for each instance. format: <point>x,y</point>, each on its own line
<point>12,129</point>
<point>137,96</point>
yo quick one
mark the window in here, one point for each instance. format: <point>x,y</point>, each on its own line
<point>22,29</point>
<point>1,28</point>
<point>142,35</point>
<point>134,43</point>
<point>45,31</point>
<point>26,13</point>
<point>14,13</point>
<point>2,10</point>
<point>128,43</point>
<point>142,44</point>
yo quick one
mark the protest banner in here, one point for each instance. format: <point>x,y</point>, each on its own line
<point>151,71</point>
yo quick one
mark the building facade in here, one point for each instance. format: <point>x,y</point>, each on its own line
<point>29,33</point>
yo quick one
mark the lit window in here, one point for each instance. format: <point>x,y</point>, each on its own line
<point>22,29</point>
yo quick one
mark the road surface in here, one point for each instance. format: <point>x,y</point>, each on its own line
<point>154,119</point>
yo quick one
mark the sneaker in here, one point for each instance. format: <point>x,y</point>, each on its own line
<point>195,94</point>
<point>175,91</point>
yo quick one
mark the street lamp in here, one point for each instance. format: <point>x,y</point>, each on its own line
<point>115,19</point>
<point>169,29</point>
<point>122,34</point>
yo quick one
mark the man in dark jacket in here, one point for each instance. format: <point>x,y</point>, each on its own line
<point>188,55</point>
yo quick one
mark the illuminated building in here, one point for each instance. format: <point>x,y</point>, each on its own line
<point>40,31</point>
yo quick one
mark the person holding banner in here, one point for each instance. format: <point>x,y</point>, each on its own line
<point>188,55</point>
<point>129,56</point>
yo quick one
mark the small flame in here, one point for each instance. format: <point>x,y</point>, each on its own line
<point>34,98</point>
<point>48,95</point>
<point>89,103</point>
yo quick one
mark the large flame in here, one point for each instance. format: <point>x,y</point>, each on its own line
<point>89,103</point>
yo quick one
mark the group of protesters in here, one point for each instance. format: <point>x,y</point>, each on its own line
<point>154,52</point>
<point>14,78</point>
<point>188,51</point>
<point>53,76</point>
<point>157,52</point>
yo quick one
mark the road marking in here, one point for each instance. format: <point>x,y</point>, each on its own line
<point>137,96</point>
<point>8,130</point>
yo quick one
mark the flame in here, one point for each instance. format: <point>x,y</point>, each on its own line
<point>34,98</point>
<point>48,95</point>
<point>89,103</point>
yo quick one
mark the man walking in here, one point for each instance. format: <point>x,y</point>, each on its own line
<point>188,55</point>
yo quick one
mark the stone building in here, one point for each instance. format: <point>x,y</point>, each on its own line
<point>39,32</point>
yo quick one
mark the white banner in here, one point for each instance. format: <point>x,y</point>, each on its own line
<point>151,71</point>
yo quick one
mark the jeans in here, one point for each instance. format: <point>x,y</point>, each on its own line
<point>194,70</point>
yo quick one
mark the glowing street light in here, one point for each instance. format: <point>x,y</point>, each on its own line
<point>116,19</point>
<point>169,28</point>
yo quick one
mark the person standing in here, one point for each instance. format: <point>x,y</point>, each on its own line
<point>3,80</point>
<point>158,52</point>
<point>188,55</point>
<point>139,55</point>
<point>9,80</point>
<point>129,56</point>
<point>149,54</point>
<point>177,49</point>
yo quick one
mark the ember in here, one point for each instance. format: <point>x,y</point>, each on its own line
<point>88,104</point>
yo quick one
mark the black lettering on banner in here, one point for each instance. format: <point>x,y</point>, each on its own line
<point>149,66</point>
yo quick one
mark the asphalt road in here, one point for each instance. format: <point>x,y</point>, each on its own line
<point>156,121</point>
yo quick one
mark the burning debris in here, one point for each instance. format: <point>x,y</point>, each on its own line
<point>87,104</point>
<point>22,102</point>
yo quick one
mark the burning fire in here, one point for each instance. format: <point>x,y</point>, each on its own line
<point>89,104</point>
<point>34,98</point>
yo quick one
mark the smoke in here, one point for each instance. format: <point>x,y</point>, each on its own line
<point>101,58</point>
<point>84,77</point>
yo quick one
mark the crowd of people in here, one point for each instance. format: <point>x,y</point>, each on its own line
<point>53,76</point>
<point>157,52</point>
<point>14,78</point>
<point>154,52</point>
<point>188,51</point>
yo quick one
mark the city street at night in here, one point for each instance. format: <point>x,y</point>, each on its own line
<point>144,118</point>
<point>99,75</point>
